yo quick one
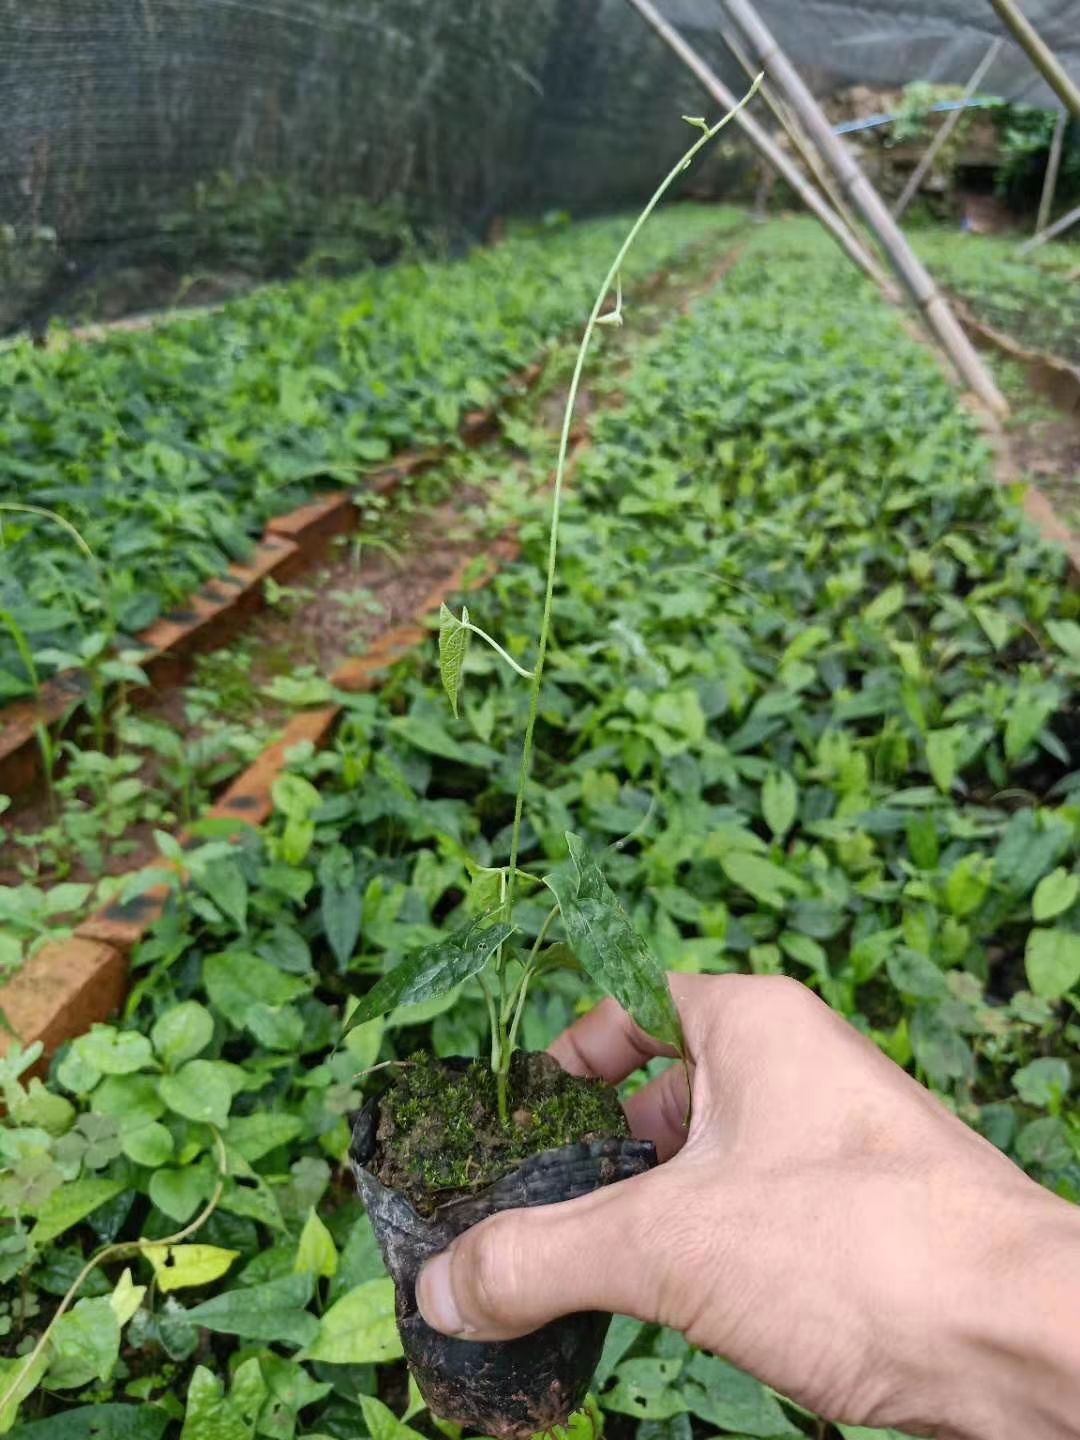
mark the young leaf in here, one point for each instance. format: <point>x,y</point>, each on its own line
<point>941,757</point>
<point>453,643</point>
<point>359,1329</point>
<point>608,946</point>
<point>316,1254</point>
<point>434,970</point>
<point>762,879</point>
<point>1052,962</point>
<point>779,802</point>
<point>1054,894</point>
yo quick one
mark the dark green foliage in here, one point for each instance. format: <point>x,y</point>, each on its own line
<point>809,706</point>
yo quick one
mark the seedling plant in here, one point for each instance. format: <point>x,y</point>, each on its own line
<point>601,937</point>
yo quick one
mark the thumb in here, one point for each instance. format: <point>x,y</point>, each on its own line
<point>514,1272</point>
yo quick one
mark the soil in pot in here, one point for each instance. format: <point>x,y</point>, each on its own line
<point>432,1158</point>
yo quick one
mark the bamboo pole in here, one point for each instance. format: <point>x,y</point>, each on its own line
<point>951,121</point>
<point>798,136</point>
<point>1053,165</point>
<point>910,271</point>
<point>763,143</point>
<point>1039,53</point>
<point>1058,228</point>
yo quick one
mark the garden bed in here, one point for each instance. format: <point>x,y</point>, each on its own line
<point>803,693</point>
<point>313,632</point>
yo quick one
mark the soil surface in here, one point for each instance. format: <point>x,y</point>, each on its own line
<point>440,1136</point>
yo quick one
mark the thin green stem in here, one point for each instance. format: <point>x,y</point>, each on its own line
<point>483,635</point>
<point>560,475</point>
<point>519,1008</point>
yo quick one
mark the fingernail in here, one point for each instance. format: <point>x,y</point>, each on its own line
<point>435,1297</point>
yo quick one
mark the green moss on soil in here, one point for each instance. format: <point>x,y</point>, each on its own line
<point>439,1132</point>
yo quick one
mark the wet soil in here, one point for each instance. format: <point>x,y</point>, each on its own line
<point>439,1133</point>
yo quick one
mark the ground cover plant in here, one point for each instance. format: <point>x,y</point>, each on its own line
<point>809,700</point>
<point>169,450</point>
<point>1036,304</point>
<point>122,775</point>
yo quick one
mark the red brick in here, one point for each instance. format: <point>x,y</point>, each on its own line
<point>61,991</point>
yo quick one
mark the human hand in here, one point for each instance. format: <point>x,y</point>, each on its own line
<point>825,1224</point>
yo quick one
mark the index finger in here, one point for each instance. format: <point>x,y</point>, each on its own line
<point>606,1044</point>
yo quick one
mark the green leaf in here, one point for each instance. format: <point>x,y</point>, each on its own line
<point>213,1415</point>
<point>645,1388</point>
<point>915,974</point>
<point>382,1423</point>
<point>1027,716</point>
<point>224,882</point>
<point>179,1267</point>
<point>275,1313</point>
<point>98,1422</point>
<point>316,1254</point>
<point>179,1193</point>
<point>71,1204</point>
<point>147,1142</point>
<point>453,645</point>
<point>253,1136</point>
<point>182,1032</point>
<point>342,910</point>
<point>84,1345</point>
<point>760,878</point>
<point>360,1328</point>
<point>968,884</point>
<point>1066,636</point>
<point>995,624</point>
<point>433,971</point>
<point>889,603</point>
<point>609,948</point>
<point>730,1400</point>
<point>1052,962</point>
<point>199,1091</point>
<point>1044,1083</point>
<point>939,1048</point>
<point>941,756</point>
<point>237,979</point>
<point>19,1377</point>
<point>295,797</point>
<point>1045,1142</point>
<point>114,1052</point>
<point>1054,894</point>
<point>779,802</point>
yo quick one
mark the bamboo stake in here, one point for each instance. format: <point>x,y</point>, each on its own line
<point>1053,165</point>
<point>951,121</point>
<point>910,271</point>
<point>1039,53</point>
<point>763,143</point>
<point>1058,228</point>
<point>798,136</point>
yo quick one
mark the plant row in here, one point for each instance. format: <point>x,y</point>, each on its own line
<point>1036,304</point>
<point>809,698</point>
<point>168,451</point>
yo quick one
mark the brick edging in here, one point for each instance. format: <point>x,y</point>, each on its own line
<point>74,983</point>
<point>290,544</point>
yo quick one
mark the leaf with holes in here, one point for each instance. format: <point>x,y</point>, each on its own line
<point>181,1267</point>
